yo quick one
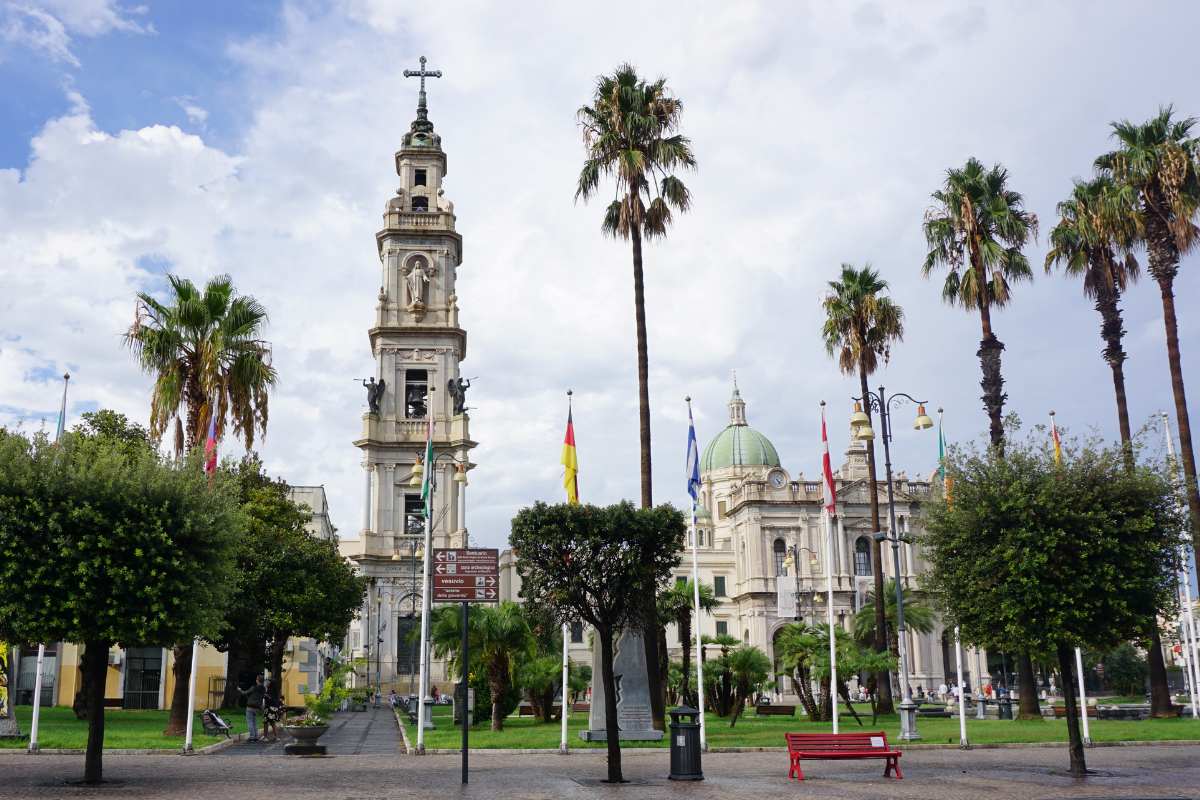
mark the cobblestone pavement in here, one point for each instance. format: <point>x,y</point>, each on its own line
<point>1032,773</point>
<point>370,733</point>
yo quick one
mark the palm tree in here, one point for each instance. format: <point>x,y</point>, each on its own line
<point>206,352</point>
<point>918,616</point>
<point>631,134</point>
<point>976,229</point>
<point>748,669</point>
<point>1093,240</point>
<point>1157,161</point>
<point>860,326</point>
<point>497,636</point>
<point>675,605</point>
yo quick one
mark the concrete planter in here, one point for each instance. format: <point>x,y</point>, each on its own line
<point>305,737</point>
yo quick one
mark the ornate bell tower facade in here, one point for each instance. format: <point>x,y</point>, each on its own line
<point>417,347</point>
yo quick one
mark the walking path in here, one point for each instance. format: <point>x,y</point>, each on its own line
<point>1034,773</point>
<point>351,733</point>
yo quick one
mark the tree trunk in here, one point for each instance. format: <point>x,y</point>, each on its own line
<point>612,730</point>
<point>685,641</point>
<point>804,692</point>
<point>643,365</point>
<point>95,667</point>
<point>882,678</point>
<point>182,670</point>
<point>1027,706</point>
<point>238,664</point>
<point>1066,658</point>
<point>1186,454</point>
<point>1160,689</point>
<point>278,645</point>
<point>992,384</point>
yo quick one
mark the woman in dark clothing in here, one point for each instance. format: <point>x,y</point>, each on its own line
<point>272,713</point>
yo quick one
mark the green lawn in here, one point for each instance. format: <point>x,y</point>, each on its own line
<point>58,728</point>
<point>754,731</point>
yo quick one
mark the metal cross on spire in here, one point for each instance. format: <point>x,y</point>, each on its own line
<point>422,73</point>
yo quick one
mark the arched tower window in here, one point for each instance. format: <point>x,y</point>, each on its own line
<point>780,555</point>
<point>862,556</point>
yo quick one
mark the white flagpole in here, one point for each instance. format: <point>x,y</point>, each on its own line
<point>699,636</point>
<point>187,738</point>
<point>1188,630</point>
<point>566,673</point>
<point>832,633</point>
<point>1087,736</point>
<point>423,687</point>
<point>37,681</point>
<point>962,699</point>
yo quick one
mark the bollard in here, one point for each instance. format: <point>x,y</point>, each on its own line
<point>685,745</point>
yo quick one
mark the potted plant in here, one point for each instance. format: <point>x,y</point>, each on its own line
<point>319,709</point>
<point>358,700</point>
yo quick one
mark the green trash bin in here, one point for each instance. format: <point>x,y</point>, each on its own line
<point>685,745</point>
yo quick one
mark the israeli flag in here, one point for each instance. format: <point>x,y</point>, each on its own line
<point>693,460</point>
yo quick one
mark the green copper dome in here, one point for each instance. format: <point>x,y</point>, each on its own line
<point>738,445</point>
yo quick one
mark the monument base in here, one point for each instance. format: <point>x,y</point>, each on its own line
<point>625,736</point>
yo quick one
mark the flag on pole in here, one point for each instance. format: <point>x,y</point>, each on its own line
<point>427,476</point>
<point>947,481</point>
<point>570,460</point>
<point>1057,442</point>
<point>210,442</point>
<point>693,460</point>
<point>827,469</point>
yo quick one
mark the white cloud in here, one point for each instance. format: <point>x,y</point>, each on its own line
<point>196,114</point>
<point>46,26</point>
<point>820,134</point>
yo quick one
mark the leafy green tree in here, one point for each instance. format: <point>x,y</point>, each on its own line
<point>630,134</point>
<point>718,674</point>
<point>804,652</point>
<point>539,671</point>
<point>976,230</point>
<point>1043,558</point>
<point>498,636</point>
<point>860,327</point>
<point>203,348</point>
<point>579,678</point>
<point>106,543</point>
<point>1158,162</point>
<point>675,605</point>
<point>583,563</point>
<point>1097,229</point>
<point>749,668</point>
<point>1125,669</point>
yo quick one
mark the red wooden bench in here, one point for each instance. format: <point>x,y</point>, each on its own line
<point>840,745</point>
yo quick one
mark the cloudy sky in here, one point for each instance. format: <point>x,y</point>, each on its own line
<point>256,138</point>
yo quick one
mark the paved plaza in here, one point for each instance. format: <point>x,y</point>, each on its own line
<point>368,764</point>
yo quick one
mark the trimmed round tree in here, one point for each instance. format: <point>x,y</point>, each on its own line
<point>1042,558</point>
<point>105,542</point>
<point>583,563</point>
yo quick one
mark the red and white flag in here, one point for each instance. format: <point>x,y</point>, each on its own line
<point>827,470</point>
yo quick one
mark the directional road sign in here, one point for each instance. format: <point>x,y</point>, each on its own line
<point>462,575</point>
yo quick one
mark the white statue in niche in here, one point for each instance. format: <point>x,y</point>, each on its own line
<point>417,278</point>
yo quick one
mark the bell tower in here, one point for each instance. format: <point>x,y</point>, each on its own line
<point>417,347</point>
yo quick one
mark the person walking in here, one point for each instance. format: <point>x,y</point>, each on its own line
<point>272,712</point>
<point>254,702</point>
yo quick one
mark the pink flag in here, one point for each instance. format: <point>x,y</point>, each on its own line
<point>827,470</point>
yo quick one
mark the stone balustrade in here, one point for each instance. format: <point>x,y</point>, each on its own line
<point>419,220</point>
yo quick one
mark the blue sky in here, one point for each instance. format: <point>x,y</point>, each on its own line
<point>257,139</point>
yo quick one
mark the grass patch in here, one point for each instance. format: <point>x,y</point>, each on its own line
<point>767,731</point>
<point>123,729</point>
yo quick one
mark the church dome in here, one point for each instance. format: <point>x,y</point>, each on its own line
<point>738,445</point>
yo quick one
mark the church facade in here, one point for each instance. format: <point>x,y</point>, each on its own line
<point>417,347</point>
<point>753,514</point>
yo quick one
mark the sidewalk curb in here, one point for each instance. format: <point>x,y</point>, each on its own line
<point>408,749</point>
<point>215,747</point>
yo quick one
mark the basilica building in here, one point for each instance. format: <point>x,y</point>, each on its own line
<point>753,514</point>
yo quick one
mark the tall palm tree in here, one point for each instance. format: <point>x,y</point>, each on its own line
<point>497,635</point>
<point>860,327</point>
<point>976,229</point>
<point>206,353</point>
<point>675,605</point>
<point>1096,230</point>
<point>630,133</point>
<point>918,617</point>
<point>1157,161</point>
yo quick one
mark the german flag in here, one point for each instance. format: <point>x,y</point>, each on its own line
<point>570,461</point>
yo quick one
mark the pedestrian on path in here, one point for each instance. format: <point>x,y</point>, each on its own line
<point>272,713</point>
<point>254,702</point>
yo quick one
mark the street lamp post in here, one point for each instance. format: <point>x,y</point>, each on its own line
<point>861,428</point>
<point>793,562</point>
